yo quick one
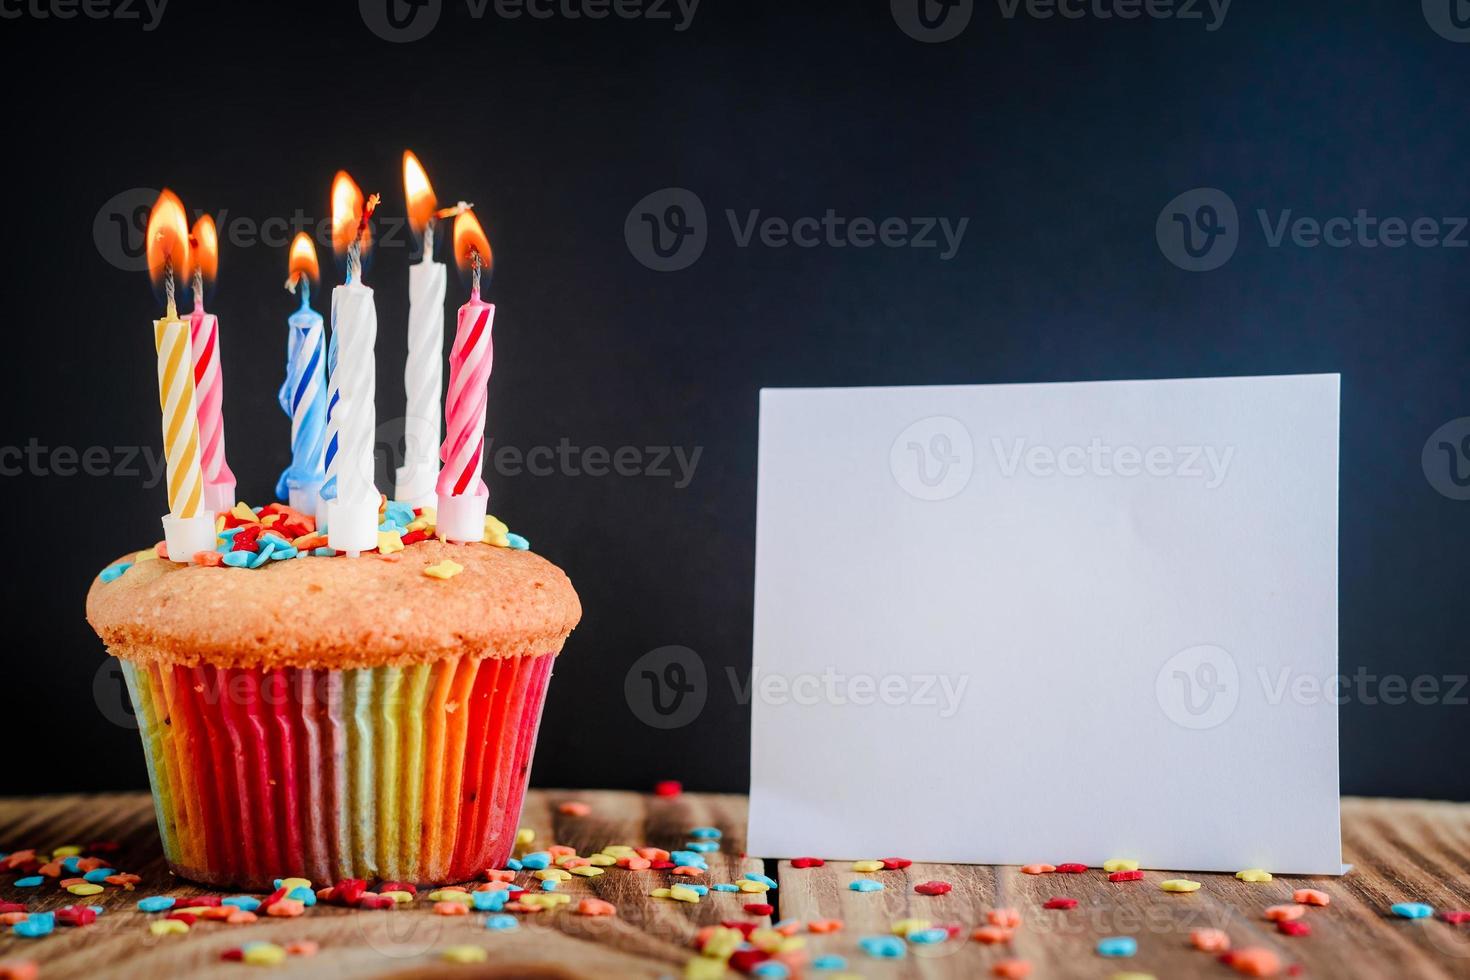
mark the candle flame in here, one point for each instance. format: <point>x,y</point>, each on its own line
<point>347,212</point>
<point>204,248</point>
<point>418,191</point>
<point>167,237</point>
<point>302,264</point>
<point>469,238</point>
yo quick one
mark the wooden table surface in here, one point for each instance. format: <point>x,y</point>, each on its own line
<point>1403,851</point>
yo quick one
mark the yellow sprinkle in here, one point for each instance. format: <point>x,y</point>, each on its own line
<point>430,514</point>
<point>84,888</point>
<point>525,835</point>
<point>603,860</point>
<point>553,874</point>
<point>389,542</point>
<point>722,942</point>
<point>618,850</point>
<point>243,512</point>
<point>149,555</point>
<point>588,870</point>
<point>703,968</point>
<point>264,954</point>
<point>1120,864</point>
<point>291,884</point>
<point>867,865</point>
<point>754,886</point>
<point>168,927</point>
<point>192,909</point>
<point>71,850</point>
<point>660,893</point>
<point>683,893</point>
<point>402,898</point>
<point>1179,885</point>
<point>270,519</point>
<point>905,926</point>
<point>464,954</point>
<point>544,900</point>
<point>450,895</point>
<point>445,569</point>
<point>1253,875</point>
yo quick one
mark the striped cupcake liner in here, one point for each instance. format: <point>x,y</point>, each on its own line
<point>397,773</point>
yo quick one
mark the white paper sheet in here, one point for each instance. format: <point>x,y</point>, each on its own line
<point>1049,622</point>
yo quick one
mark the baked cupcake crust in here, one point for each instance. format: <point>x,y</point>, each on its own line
<point>338,613</point>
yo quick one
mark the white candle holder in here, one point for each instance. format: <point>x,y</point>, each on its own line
<point>219,496</point>
<point>461,519</point>
<point>184,537</point>
<point>414,483</point>
<point>352,525</point>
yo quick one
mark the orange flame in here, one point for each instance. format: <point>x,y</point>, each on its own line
<point>418,190</point>
<point>469,238</point>
<point>167,237</point>
<point>302,264</point>
<point>204,248</point>
<point>346,211</point>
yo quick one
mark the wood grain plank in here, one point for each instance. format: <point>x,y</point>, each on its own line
<point>648,938</point>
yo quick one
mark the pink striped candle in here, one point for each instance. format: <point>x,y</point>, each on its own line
<point>463,496</point>
<point>209,385</point>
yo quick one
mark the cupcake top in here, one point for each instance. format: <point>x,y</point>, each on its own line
<point>406,607</point>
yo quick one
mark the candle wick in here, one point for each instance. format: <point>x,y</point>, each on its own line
<point>168,285</point>
<point>475,274</point>
<point>354,262</point>
<point>198,290</point>
<point>428,255</point>
<point>305,292</point>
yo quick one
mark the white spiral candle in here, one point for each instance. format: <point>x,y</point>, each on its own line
<point>423,381</point>
<point>353,524</point>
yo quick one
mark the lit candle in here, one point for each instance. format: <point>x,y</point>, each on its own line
<point>351,495</point>
<point>187,527</point>
<point>304,395</point>
<point>423,374</point>
<point>463,496</point>
<point>209,383</point>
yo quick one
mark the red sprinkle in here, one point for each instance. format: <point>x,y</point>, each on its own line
<point>759,908</point>
<point>1296,927</point>
<point>349,891</point>
<point>745,960</point>
<point>12,907</point>
<point>807,862</point>
<point>76,915</point>
<point>1456,917</point>
<point>376,902</point>
<point>669,787</point>
<point>745,926</point>
<point>1060,903</point>
<point>894,864</point>
<point>1126,876</point>
<point>187,918</point>
<point>1071,869</point>
<point>414,537</point>
<point>202,901</point>
<point>234,954</point>
<point>397,886</point>
<point>662,865</point>
<point>272,899</point>
<point>933,887</point>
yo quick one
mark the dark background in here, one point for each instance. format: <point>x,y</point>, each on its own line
<point>1060,140</point>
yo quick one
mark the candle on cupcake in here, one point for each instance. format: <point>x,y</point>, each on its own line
<point>209,382</point>
<point>423,375</point>
<point>463,496</point>
<point>350,492</point>
<point>303,396</point>
<point>188,527</point>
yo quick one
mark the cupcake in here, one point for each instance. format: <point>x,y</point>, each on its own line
<point>333,717</point>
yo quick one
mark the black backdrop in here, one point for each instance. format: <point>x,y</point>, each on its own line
<point>1059,139</point>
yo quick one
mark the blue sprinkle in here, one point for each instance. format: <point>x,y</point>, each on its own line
<point>284,552</point>
<point>303,895</point>
<point>517,542</point>
<point>727,888</point>
<point>549,885</point>
<point>37,924</point>
<point>757,876</point>
<point>156,903</point>
<point>883,947</point>
<point>260,557</point>
<point>770,968</point>
<point>1404,910</point>
<point>96,909</point>
<point>830,962</point>
<point>536,860</point>
<point>513,889</point>
<point>501,923</point>
<point>72,865</point>
<point>246,903</point>
<point>702,846</point>
<point>927,936</point>
<point>1117,946</point>
<point>513,865</point>
<point>489,901</point>
<point>110,573</point>
<point>229,533</point>
<point>702,889</point>
<point>706,833</point>
<point>690,859</point>
<point>276,883</point>
<point>238,559</point>
<point>98,876</point>
<point>324,552</point>
<point>866,885</point>
<point>30,882</point>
